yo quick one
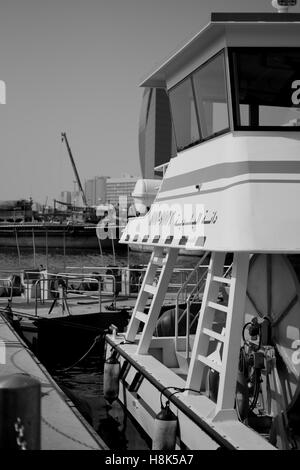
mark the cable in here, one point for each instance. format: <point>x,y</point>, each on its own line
<point>98,338</point>
<point>243,332</point>
<point>177,390</point>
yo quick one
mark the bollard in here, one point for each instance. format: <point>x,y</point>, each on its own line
<point>20,412</point>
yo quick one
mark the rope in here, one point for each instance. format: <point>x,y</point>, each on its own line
<point>84,356</point>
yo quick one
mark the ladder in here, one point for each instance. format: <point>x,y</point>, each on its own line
<point>224,359</point>
<point>157,293</point>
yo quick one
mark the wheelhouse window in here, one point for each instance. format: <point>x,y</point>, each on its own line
<point>184,115</point>
<point>199,104</point>
<point>211,97</point>
<point>265,88</point>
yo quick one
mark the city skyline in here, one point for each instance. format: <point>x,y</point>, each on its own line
<point>75,67</point>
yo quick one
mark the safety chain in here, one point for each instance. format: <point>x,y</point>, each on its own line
<point>19,428</point>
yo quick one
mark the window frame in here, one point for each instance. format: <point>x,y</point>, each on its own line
<point>222,52</point>
<point>234,90</point>
<point>196,142</point>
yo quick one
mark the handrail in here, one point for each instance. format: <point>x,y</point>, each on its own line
<point>81,278</point>
<point>187,311</point>
<point>184,285</point>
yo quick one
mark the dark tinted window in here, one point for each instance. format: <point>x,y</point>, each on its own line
<point>266,87</point>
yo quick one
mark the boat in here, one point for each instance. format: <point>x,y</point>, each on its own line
<point>144,195</point>
<point>52,235</point>
<point>230,378</point>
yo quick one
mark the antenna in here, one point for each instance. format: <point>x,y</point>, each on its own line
<point>282,6</point>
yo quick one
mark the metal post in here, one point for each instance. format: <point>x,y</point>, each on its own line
<point>113,249</point>
<point>47,249</point>
<point>18,248</point>
<point>99,289</point>
<point>20,411</point>
<point>101,252</point>
<point>33,245</point>
<point>188,312</point>
<point>64,248</point>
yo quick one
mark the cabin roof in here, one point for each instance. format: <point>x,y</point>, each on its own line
<point>220,24</point>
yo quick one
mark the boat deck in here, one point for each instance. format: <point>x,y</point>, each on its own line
<point>62,426</point>
<point>77,305</point>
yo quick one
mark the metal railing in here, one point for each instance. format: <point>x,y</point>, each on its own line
<point>62,281</point>
<point>192,296</point>
<point>39,286</point>
<point>184,288</point>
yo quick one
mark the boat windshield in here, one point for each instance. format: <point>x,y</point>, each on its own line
<point>199,104</point>
<point>265,88</point>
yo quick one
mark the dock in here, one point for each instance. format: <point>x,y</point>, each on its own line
<point>62,426</point>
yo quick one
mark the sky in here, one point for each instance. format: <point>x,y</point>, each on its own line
<point>75,66</point>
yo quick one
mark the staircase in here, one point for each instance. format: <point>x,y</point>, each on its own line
<point>164,263</point>
<point>224,358</point>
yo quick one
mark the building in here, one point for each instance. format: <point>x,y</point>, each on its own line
<point>117,187</point>
<point>95,190</point>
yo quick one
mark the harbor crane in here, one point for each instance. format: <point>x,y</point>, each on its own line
<point>64,138</point>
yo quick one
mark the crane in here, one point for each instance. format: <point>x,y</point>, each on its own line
<point>64,138</point>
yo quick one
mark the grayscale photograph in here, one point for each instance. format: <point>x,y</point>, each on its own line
<point>149,228</point>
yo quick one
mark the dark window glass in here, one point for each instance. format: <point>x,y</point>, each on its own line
<point>266,87</point>
<point>211,97</point>
<point>184,114</point>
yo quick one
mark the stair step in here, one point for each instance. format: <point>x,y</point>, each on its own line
<point>141,316</point>
<point>158,260</point>
<point>224,280</point>
<point>150,289</point>
<point>208,362</point>
<point>222,308</point>
<point>183,360</point>
<point>214,334</point>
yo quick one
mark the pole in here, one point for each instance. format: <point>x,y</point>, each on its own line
<point>113,249</point>
<point>64,247</point>
<point>18,248</point>
<point>20,411</point>
<point>33,244</point>
<point>46,249</point>
<point>101,252</point>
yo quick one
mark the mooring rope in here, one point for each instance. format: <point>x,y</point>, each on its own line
<point>96,340</point>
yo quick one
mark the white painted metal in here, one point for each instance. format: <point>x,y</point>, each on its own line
<point>201,342</point>
<point>234,324</point>
<point>144,404</point>
<point>226,363</point>
<point>157,300</point>
<point>231,196</point>
<point>158,294</point>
